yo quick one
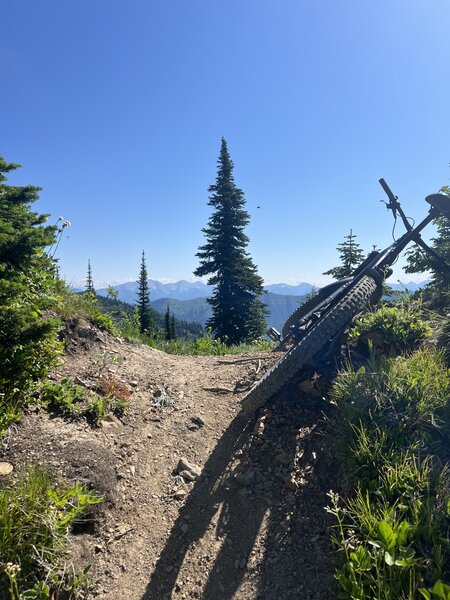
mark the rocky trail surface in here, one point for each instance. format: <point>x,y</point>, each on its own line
<point>199,501</point>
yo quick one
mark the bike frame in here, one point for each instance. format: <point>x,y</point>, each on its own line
<point>377,263</point>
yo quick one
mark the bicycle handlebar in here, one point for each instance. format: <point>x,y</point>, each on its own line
<point>388,191</point>
<point>394,204</point>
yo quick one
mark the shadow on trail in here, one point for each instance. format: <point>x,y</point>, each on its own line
<point>269,535</point>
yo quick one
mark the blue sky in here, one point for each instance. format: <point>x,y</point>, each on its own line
<point>117,109</point>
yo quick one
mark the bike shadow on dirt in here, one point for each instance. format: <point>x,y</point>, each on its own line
<point>258,509</point>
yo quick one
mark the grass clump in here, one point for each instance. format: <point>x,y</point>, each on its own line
<point>207,345</point>
<point>393,530</point>
<point>35,517</point>
<point>73,306</point>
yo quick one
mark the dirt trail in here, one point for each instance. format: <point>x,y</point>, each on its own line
<point>252,526</point>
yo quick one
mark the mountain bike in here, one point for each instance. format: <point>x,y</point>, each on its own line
<point>315,327</point>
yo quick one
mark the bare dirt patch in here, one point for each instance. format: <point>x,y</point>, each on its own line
<point>251,526</point>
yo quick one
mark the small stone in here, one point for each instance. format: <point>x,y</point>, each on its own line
<point>198,421</point>
<point>179,493</point>
<point>6,468</point>
<point>133,470</point>
<point>111,421</point>
<point>283,458</point>
<point>185,528</point>
<point>188,470</point>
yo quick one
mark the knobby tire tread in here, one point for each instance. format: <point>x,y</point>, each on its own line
<point>292,362</point>
<point>306,307</point>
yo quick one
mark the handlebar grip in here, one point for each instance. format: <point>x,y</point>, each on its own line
<point>388,190</point>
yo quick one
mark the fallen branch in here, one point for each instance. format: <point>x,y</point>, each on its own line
<point>219,390</point>
<point>241,360</point>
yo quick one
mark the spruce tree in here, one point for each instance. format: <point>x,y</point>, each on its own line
<point>167,324</point>
<point>143,303</point>
<point>28,294</point>
<point>89,281</point>
<point>237,311</point>
<point>173,331</point>
<point>351,255</point>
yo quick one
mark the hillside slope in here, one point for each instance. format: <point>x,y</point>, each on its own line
<point>279,308</point>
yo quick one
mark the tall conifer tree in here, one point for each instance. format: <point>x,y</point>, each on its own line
<point>89,281</point>
<point>143,303</point>
<point>237,311</point>
<point>167,324</point>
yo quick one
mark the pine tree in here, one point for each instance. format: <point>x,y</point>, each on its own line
<point>173,331</point>
<point>237,311</point>
<point>351,255</point>
<point>143,303</point>
<point>89,281</point>
<point>167,324</point>
<point>418,261</point>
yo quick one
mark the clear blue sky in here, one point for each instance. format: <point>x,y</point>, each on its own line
<point>116,108</point>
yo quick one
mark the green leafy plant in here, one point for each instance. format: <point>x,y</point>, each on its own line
<point>72,401</point>
<point>398,327</point>
<point>36,516</point>
<point>440,590</point>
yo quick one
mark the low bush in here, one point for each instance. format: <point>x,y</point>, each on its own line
<point>398,327</point>
<point>35,517</point>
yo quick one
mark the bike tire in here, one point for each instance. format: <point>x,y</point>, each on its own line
<point>293,361</point>
<point>309,305</point>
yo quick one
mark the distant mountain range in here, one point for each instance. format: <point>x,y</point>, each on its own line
<point>187,300</point>
<point>279,308</point>
<point>188,290</point>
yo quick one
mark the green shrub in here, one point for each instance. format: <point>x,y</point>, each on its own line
<point>28,327</point>
<point>399,327</point>
<point>35,517</point>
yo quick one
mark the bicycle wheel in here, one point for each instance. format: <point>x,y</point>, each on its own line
<point>293,361</point>
<point>310,304</point>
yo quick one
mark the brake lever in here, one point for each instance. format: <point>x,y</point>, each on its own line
<point>390,206</point>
